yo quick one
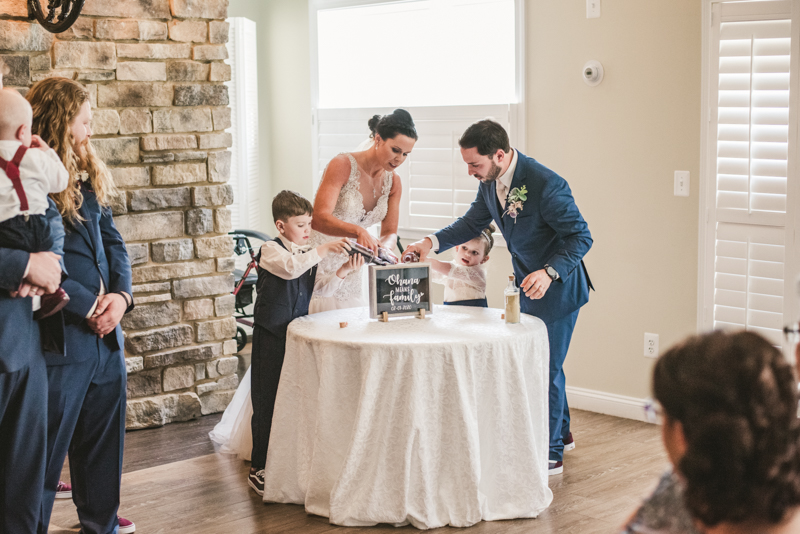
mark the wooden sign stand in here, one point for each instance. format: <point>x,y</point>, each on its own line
<point>384,318</point>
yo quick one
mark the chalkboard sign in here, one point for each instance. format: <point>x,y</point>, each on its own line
<point>399,289</point>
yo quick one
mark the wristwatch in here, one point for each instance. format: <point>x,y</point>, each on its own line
<point>552,273</point>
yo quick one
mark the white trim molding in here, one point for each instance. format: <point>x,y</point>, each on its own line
<point>606,403</point>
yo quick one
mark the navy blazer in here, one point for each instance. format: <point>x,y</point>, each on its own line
<point>548,230</point>
<point>19,333</point>
<point>93,250</point>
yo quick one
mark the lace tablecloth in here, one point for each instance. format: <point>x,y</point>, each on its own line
<point>432,421</point>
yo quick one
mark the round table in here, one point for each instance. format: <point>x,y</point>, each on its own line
<point>433,421</point>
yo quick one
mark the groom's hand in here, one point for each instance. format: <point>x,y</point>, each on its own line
<point>536,284</point>
<point>421,247</point>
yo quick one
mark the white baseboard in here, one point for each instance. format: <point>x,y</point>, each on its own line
<point>606,403</point>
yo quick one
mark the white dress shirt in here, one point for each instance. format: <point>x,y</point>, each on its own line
<point>291,262</point>
<point>505,179</point>
<point>503,186</point>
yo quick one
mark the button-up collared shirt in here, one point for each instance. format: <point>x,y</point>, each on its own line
<point>290,265</point>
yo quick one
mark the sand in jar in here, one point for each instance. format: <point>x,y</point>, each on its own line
<point>511,294</point>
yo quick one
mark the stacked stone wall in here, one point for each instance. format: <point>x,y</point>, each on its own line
<point>155,70</point>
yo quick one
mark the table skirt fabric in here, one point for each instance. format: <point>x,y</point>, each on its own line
<point>436,421</point>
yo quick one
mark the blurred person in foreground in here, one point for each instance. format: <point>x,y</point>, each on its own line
<point>730,428</point>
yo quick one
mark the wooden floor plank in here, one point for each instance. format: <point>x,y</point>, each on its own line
<point>615,464</point>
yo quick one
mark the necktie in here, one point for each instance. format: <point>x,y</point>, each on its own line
<point>502,193</point>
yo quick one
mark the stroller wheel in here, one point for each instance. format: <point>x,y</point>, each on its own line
<point>241,338</point>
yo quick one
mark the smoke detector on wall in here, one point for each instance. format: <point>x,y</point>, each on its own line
<point>593,73</point>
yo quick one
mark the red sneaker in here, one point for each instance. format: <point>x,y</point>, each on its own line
<point>569,442</point>
<point>555,468</point>
<point>63,490</point>
<point>125,526</point>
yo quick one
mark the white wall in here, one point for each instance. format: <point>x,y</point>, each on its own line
<point>285,95</point>
<point>617,145</point>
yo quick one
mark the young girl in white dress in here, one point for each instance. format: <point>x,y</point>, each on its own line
<point>464,278</point>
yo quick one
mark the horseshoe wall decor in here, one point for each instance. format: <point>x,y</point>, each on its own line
<point>58,16</point>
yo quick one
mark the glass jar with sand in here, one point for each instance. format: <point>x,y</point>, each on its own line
<point>511,294</point>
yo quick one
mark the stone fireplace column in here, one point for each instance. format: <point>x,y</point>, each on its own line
<point>156,73</point>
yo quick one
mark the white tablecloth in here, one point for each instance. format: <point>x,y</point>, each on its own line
<point>432,421</point>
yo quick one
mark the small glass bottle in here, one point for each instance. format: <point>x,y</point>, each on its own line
<point>410,257</point>
<point>511,294</point>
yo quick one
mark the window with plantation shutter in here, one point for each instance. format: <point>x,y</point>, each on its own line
<point>747,239</point>
<point>433,76</point>
<point>243,94</point>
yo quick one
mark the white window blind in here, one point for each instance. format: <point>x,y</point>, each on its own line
<point>749,220</point>
<point>243,92</point>
<point>753,123</point>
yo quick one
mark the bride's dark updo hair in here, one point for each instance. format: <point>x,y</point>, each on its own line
<point>389,126</point>
<point>736,398</point>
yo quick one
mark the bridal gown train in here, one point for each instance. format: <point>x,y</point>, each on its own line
<point>233,432</point>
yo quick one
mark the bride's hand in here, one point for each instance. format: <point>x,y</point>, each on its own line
<point>367,240</point>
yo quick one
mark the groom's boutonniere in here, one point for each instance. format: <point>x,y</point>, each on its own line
<point>516,197</point>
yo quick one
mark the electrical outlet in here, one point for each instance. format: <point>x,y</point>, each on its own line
<point>681,183</point>
<point>651,345</point>
<point>592,9</point>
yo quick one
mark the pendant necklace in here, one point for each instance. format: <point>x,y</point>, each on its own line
<point>374,189</point>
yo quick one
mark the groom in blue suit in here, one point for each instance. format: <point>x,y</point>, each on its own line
<point>547,238</point>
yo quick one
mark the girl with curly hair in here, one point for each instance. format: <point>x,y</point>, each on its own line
<point>87,388</point>
<point>730,427</point>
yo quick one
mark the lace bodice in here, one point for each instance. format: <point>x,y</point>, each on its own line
<point>462,283</point>
<point>350,208</point>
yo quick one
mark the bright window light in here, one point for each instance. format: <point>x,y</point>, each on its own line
<point>417,53</point>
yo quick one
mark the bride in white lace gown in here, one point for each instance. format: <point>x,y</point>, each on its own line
<point>358,190</point>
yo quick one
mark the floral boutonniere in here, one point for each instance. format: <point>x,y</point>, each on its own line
<point>83,176</point>
<point>516,197</point>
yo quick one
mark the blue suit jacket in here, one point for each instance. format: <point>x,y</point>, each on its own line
<point>93,249</point>
<point>549,230</point>
<point>19,333</point>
